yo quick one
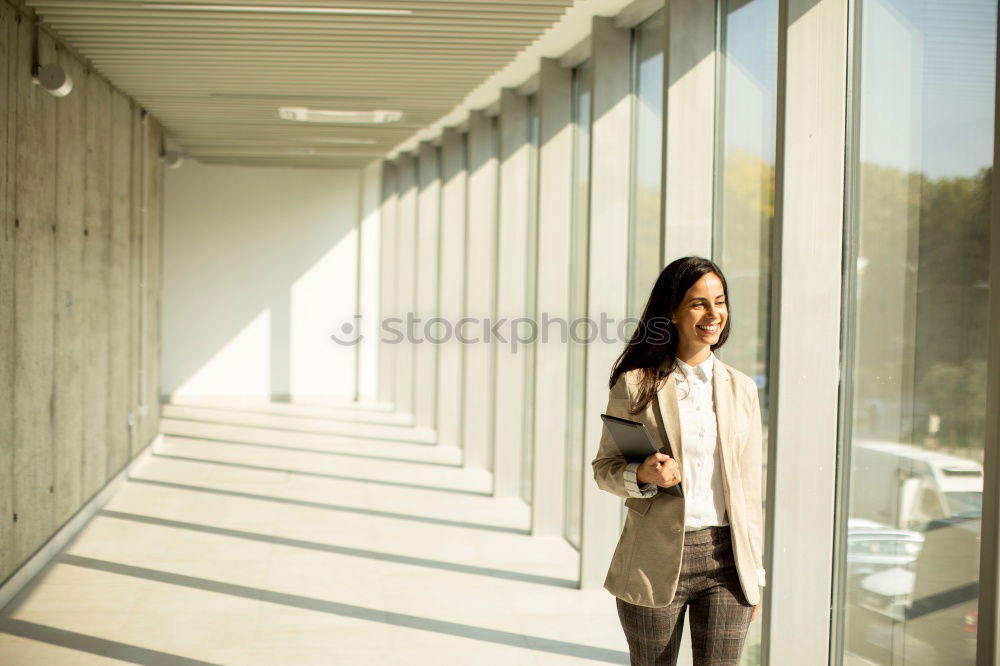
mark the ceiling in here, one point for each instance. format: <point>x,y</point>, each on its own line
<point>214,72</point>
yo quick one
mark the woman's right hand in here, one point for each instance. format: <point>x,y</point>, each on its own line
<point>659,468</point>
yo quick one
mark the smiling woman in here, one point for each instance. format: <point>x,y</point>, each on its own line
<point>700,549</point>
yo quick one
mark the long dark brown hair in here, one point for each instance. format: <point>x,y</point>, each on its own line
<point>655,339</point>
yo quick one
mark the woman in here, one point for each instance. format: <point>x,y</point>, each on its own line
<point>699,546</point>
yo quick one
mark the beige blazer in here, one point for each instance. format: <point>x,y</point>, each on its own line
<point>646,564</point>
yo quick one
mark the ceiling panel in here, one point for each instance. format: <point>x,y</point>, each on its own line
<point>215,72</point>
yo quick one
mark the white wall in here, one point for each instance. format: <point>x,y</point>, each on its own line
<point>370,276</point>
<point>259,269</point>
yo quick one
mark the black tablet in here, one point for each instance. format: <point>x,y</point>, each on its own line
<point>632,438</point>
<point>636,443</point>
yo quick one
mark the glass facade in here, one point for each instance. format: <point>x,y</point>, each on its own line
<point>645,231</point>
<point>922,173</point>
<point>744,210</point>
<point>744,195</point>
<point>576,450</point>
<point>910,158</point>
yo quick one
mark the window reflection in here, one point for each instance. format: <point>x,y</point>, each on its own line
<point>922,178</point>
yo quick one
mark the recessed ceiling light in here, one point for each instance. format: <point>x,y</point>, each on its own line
<point>288,97</point>
<point>309,141</point>
<point>332,139</point>
<point>284,152</point>
<point>276,9</point>
<point>304,114</point>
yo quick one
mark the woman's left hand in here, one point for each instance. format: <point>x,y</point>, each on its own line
<point>753,616</point>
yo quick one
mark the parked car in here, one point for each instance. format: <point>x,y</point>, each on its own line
<point>922,612</point>
<point>906,486</point>
<point>874,547</point>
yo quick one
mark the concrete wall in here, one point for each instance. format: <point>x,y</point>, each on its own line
<point>260,268</point>
<point>79,290</point>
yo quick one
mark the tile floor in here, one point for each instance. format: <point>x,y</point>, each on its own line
<point>250,546</point>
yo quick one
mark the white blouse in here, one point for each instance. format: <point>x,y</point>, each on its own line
<point>701,476</point>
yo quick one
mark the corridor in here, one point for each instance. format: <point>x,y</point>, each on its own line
<point>310,309</point>
<point>292,535</point>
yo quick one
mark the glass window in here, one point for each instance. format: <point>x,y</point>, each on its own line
<point>575,450</point>
<point>744,211</point>
<point>645,230</point>
<point>920,172</point>
<point>744,194</point>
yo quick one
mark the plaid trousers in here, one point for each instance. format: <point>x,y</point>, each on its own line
<point>720,613</point>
